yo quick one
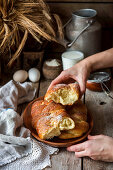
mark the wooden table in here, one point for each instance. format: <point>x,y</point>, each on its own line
<point>103,124</point>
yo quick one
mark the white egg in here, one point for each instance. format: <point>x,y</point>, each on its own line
<point>20,76</point>
<point>34,75</point>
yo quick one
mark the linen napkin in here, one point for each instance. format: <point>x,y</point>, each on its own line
<point>15,140</point>
<point>12,94</point>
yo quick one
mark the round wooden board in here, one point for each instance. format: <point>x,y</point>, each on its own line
<point>56,142</point>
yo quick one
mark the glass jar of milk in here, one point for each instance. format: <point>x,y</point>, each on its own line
<point>70,58</point>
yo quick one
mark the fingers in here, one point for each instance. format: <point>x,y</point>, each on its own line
<point>77,148</point>
<point>66,76</point>
<point>56,81</point>
<point>82,84</point>
<point>60,79</point>
<point>50,86</point>
<point>91,148</point>
<point>81,154</point>
<point>91,137</point>
<point>94,137</point>
<point>82,87</point>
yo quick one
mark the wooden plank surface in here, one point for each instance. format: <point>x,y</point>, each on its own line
<point>64,160</point>
<point>103,124</point>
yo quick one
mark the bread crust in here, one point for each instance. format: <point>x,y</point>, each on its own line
<point>47,120</point>
<point>78,112</point>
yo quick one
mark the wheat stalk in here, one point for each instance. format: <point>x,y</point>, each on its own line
<point>19,48</point>
<point>27,16</point>
<point>60,26</point>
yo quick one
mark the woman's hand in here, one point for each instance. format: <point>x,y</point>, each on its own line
<point>79,72</point>
<point>98,147</point>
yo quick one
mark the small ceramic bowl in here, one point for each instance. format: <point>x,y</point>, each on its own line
<point>95,79</point>
<point>51,72</point>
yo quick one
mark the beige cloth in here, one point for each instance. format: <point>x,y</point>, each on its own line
<point>15,141</point>
<point>12,94</point>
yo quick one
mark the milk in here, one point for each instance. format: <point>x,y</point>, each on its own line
<point>70,58</point>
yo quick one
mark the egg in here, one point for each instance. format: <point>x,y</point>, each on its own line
<point>20,76</point>
<point>34,75</point>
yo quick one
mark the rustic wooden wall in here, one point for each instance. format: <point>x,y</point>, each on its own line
<point>65,8</point>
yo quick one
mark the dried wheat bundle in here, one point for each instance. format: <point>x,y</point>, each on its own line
<point>27,16</point>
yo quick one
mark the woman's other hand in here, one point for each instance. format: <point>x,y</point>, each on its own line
<point>97,147</point>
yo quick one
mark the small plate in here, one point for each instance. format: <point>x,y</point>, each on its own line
<point>56,142</point>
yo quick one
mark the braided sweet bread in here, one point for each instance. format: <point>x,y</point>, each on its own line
<point>61,113</point>
<point>49,119</point>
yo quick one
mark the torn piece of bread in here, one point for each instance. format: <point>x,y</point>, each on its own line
<point>78,112</point>
<point>80,128</point>
<point>64,94</point>
<point>49,119</point>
